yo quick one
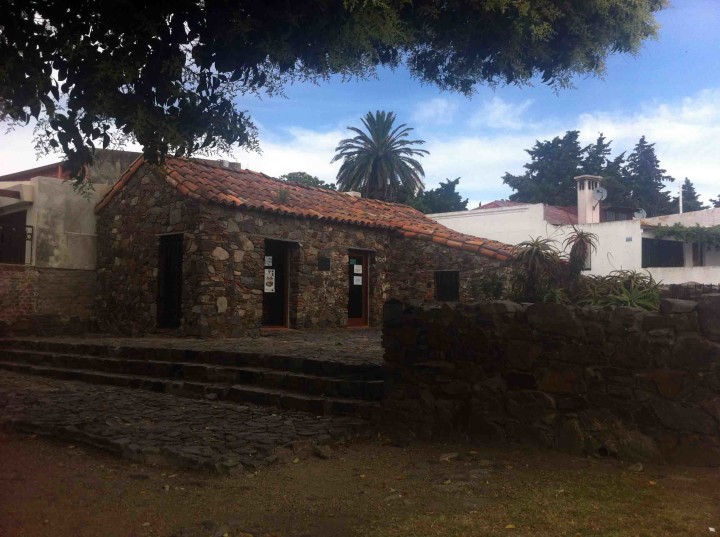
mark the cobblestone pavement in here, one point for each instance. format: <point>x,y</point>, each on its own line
<point>156,428</point>
<point>351,346</point>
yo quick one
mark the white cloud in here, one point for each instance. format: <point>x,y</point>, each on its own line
<point>685,134</point>
<point>499,114</point>
<point>438,111</point>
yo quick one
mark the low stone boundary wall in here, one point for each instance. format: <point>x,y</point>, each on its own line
<point>611,381</point>
<point>45,301</point>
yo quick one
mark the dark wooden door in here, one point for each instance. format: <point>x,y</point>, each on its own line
<point>358,289</point>
<point>13,236</point>
<point>275,288</point>
<point>169,307</point>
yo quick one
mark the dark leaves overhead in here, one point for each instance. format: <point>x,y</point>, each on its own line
<point>167,72</point>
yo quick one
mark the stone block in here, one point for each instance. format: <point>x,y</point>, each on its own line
<point>674,305</point>
<point>683,418</point>
<point>669,382</point>
<point>692,352</point>
<point>708,309</point>
<point>569,436</point>
<point>554,318</point>
<point>562,380</point>
<point>529,404</point>
<point>522,354</point>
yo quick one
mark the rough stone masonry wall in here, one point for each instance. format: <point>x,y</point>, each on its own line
<point>607,381</point>
<point>45,301</point>
<point>128,238</point>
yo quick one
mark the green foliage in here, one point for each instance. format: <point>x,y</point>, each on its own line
<point>537,262</point>
<point>168,73</point>
<point>636,181</point>
<point>708,236</point>
<point>550,172</point>
<point>379,161</point>
<point>644,180</point>
<point>620,288</point>
<point>541,273</point>
<point>715,202</point>
<point>581,244</point>
<point>690,199</point>
<point>308,180</point>
<point>443,199</point>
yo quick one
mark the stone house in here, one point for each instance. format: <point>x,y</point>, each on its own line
<point>201,248</point>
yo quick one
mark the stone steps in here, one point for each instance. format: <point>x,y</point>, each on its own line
<point>289,382</point>
<point>285,399</point>
<point>295,364</point>
<point>272,378</point>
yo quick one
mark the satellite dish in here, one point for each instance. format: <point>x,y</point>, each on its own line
<point>600,193</point>
<point>640,214</point>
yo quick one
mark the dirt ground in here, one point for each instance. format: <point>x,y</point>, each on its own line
<point>369,488</point>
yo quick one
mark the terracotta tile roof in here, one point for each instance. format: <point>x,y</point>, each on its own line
<point>560,216</point>
<point>257,191</point>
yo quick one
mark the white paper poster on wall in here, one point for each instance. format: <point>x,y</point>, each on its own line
<point>357,280</point>
<point>357,269</point>
<point>269,280</point>
<point>268,261</point>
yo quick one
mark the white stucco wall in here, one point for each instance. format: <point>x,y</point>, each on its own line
<point>676,275</point>
<point>511,225</point>
<point>63,222</point>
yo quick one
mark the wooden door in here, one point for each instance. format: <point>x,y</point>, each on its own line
<point>358,289</point>
<point>169,304</point>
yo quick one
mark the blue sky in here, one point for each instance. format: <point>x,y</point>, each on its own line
<point>669,92</point>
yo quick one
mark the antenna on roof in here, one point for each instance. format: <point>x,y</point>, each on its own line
<point>600,193</point>
<point>640,214</point>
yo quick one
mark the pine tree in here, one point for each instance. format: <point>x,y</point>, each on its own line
<point>549,175</point>
<point>690,199</point>
<point>597,162</point>
<point>645,180</point>
<point>443,199</point>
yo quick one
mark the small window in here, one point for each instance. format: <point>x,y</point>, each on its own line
<point>447,286</point>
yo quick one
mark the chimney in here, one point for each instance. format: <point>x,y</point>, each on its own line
<point>353,193</point>
<point>588,206</point>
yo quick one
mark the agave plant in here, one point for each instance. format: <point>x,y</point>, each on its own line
<point>581,244</point>
<point>540,264</point>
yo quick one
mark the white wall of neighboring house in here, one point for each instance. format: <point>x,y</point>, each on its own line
<point>63,221</point>
<point>511,225</point>
<point>619,243</point>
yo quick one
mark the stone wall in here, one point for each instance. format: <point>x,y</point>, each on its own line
<point>605,381</point>
<point>223,265</point>
<point>128,237</point>
<point>45,301</point>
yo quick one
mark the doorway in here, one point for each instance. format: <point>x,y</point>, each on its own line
<point>169,302</point>
<point>275,290</point>
<point>358,289</point>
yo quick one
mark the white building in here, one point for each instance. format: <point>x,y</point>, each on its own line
<point>625,242</point>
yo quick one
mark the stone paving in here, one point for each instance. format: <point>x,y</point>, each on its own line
<point>350,346</point>
<point>162,429</point>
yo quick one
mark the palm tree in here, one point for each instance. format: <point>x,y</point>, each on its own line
<point>379,162</point>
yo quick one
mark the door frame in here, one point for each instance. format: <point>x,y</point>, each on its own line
<point>365,319</point>
<point>286,245</point>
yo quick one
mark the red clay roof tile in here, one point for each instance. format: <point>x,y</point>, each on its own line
<point>252,190</point>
